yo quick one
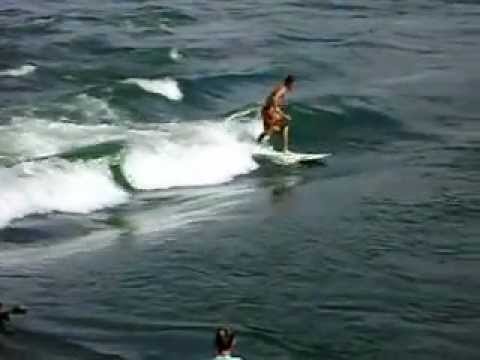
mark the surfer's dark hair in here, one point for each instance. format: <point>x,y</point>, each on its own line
<point>224,339</point>
<point>289,80</point>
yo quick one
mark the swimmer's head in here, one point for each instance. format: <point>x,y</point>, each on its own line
<point>224,340</point>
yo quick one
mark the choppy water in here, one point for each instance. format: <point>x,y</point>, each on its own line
<point>134,218</point>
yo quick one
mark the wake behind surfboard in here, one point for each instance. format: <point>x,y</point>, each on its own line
<point>289,158</point>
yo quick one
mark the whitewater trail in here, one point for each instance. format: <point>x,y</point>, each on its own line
<point>161,156</point>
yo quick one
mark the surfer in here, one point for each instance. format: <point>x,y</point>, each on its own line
<point>274,118</point>
<point>224,344</point>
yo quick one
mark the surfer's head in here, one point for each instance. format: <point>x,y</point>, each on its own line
<point>224,340</point>
<point>289,80</point>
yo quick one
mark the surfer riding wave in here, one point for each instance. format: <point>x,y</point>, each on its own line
<point>275,120</point>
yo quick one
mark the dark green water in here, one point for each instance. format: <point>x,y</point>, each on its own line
<point>134,218</point>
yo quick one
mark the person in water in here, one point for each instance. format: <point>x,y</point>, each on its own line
<point>275,120</point>
<point>224,344</point>
<point>5,316</point>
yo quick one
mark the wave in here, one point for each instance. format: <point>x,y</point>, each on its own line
<point>56,185</point>
<point>175,55</point>
<point>189,154</point>
<point>21,71</point>
<point>91,109</point>
<point>82,168</point>
<point>25,137</point>
<point>167,87</point>
<point>99,165</point>
<point>166,28</point>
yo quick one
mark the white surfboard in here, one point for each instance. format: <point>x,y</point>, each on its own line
<point>288,158</point>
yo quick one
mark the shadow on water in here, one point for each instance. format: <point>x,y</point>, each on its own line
<point>281,181</point>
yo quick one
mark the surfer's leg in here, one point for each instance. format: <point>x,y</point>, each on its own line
<point>265,119</point>
<point>285,138</point>
<point>267,124</point>
<point>261,136</point>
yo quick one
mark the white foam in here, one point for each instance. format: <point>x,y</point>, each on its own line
<point>30,257</point>
<point>165,27</point>
<point>94,109</point>
<point>163,156</point>
<point>189,154</point>
<point>167,87</point>
<point>21,71</point>
<point>43,20</point>
<point>175,55</point>
<point>26,137</point>
<point>204,204</point>
<point>56,185</point>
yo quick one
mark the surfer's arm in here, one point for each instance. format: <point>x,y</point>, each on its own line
<point>285,115</point>
<point>278,97</point>
<point>279,103</point>
<point>282,113</point>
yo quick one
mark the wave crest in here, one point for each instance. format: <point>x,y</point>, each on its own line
<point>20,71</point>
<point>56,185</point>
<point>188,154</point>
<point>167,87</point>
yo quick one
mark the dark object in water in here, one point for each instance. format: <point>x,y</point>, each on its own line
<point>18,310</point>
<point>5,317</point>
